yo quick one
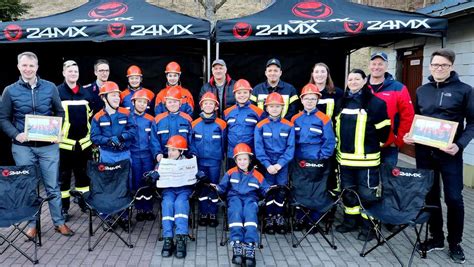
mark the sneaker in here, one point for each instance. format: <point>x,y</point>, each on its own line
<point>280,224</point>
<point>168,246</point>
<point>269,225</point>
<point>456,254</point>
<point>213,222</point>
<point>140,216</point>
<point>237,252</point>
<point>149,216</point>
<point>180,252</point>
<point>123,223</point>
<point>203,220</point>
<point>249,254</point>
<point>431,245</point>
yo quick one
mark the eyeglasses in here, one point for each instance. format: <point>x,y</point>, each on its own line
<point>103,70</point>
<point>443,66</point>
<point>310,99</point>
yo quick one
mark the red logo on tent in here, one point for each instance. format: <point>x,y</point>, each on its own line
<point>353,27</point>
<point>108,10</point>
<point>13,32</point>
<point>116,30</point>
<point>312,10</point>
<point>101,167</point>
<point>242,30</point>
<point>302,163</point>
<point>5,172</point>
<point>396,171</point>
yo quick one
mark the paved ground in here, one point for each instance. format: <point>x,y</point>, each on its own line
<point>206,251</point>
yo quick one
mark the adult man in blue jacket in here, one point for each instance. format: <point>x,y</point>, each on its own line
<point>445,97</point>
<point>32,95</point>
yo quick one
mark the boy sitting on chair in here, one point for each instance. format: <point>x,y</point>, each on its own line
<point>175,205</point>
<point>243,185</point>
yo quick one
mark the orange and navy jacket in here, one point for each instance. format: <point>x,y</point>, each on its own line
<point>314,135</point>
<point>166,125</point>
<point>241,122</point>
<point>140,147</point>
<point>126,99</point>
<point>399,108</point>
<point>274,141</point>
<point>187,101</point>
<point>243,184</point>
<point>208,139</point>
<point>119,124</point>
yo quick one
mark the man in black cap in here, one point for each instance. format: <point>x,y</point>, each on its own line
<point>274,84</point>
<point>221,85</point>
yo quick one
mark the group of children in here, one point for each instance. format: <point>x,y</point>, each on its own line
<point>129,132</point>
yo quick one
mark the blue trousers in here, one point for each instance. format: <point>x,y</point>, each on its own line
<point>276,201</point>
<point>242,217</point>
<point>207,198</point>
<point>175,209</point>
<point>47,157</point>
<point>141,165</point>
<point>389,155</point>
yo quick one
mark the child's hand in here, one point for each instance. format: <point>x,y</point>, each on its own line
<point>159,157</point>
<point>213,185</point>
<point>271,169</point>
<point>277,167</point>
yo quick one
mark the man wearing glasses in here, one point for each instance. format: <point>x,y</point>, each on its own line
<point>101,71</point>
<point>399,105</point>
<point>445,97</point>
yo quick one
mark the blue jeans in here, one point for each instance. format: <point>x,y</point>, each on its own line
<point>47,157</point>
<point>389,155</point>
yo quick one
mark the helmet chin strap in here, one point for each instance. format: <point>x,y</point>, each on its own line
<point>108,102</point>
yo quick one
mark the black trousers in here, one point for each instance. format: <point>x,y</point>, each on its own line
<point>450,170</point>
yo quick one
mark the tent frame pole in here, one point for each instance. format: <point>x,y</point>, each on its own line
<point>217,50</point>
<point>208,65</point>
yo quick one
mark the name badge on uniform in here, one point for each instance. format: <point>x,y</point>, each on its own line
<point>107,123</point>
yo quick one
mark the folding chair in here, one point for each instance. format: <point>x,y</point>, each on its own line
<point>313,175</point>
<point>20,203</point>
<point>403,204</point>
<point>109,198</point>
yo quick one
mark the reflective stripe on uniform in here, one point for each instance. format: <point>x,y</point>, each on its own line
<point>180,215</point>
<point>82,189</point>
<point>352,210</point>
<point>359,139</point>
<point>65,194</point>
<point>382,124</point>
<point>167,218</point>
<point>329,102</point>
<point>236,224</point>
<point>247,224</point>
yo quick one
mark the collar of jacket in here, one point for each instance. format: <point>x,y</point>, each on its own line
<point>277,119</point>
<point>134,89</point>
<point>246,104</point>
<point>453,77</point>
<point>312,112</point>
<point>212,81</point>
<point>80,92</point>
<point>27,85</point>
<point>210,119</point>
<point>388,80</point>
<point>279,85</point>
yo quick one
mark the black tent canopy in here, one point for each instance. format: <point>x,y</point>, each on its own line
<point>303,32</point>
<point>125,32</point>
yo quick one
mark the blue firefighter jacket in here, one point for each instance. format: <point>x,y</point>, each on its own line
<point>208,139</point>
<point>243,184</point>
<point>119,124</point>
<point>166,125</point>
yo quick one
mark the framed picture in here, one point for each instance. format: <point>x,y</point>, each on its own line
<point>43,128</point>
<point>433,132</point>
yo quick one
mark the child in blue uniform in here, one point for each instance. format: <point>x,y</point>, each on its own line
<point>241,119</point>
<point>315,143</point>
<point>275,148</point>
<point>135,78</point>
<point>243,187</point>
<point>113,130</point>
<point>142,158</point>
<point>208,144</point>
<point>169,123</point>
<point>175,205</point>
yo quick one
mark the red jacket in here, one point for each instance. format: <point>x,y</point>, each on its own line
<point>399,108</point>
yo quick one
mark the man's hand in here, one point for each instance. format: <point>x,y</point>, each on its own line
<point>271,169</point>
<point>277,167</point>
<point>159,157</point>
<point>21,137</point>
<point>408,140</point>
<point>452,149</point>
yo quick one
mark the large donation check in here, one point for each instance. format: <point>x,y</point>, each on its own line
<point>176,173</point>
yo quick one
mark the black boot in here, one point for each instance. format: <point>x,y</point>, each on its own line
<point>237,253</point>
<point>280,224</point>
<point>168,247</point>
<point>123,223</point>
<point>270,225</point>
<point>213,222</point>
<point>203,220</point>
<point>180,252</point>
<point>149,216</point>
<point>66,215</point>
<point>249,251</point>
<point>140,216</point>
<point>349,224</point>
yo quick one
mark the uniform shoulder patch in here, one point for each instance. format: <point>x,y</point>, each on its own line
<point>263,122</point>
<point>256,109</point>
<point>186,116</point>
<point>124,111</point>
<point>196,121</point>
<point>148,117</point>
<point>222,124</point>
<point>287,122</point>
<point>296,116</point>
<point>258,175</point>
<point>99,114</point>
<point>322,117</point>
<point>231,171</point>
<point>160,116</point>
<point>229,109</point>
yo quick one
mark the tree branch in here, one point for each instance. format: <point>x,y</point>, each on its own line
<point>202,3</point>
<point>222,2</point>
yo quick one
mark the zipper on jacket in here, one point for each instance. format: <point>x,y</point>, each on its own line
<point>33,100</point>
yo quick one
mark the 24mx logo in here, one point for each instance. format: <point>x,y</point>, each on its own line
<point>285,29</point>
<point>54,32</point>
<point>177,29</point>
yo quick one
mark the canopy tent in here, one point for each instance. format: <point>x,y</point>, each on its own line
<point>302,33</point>
<point>125,32</point>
